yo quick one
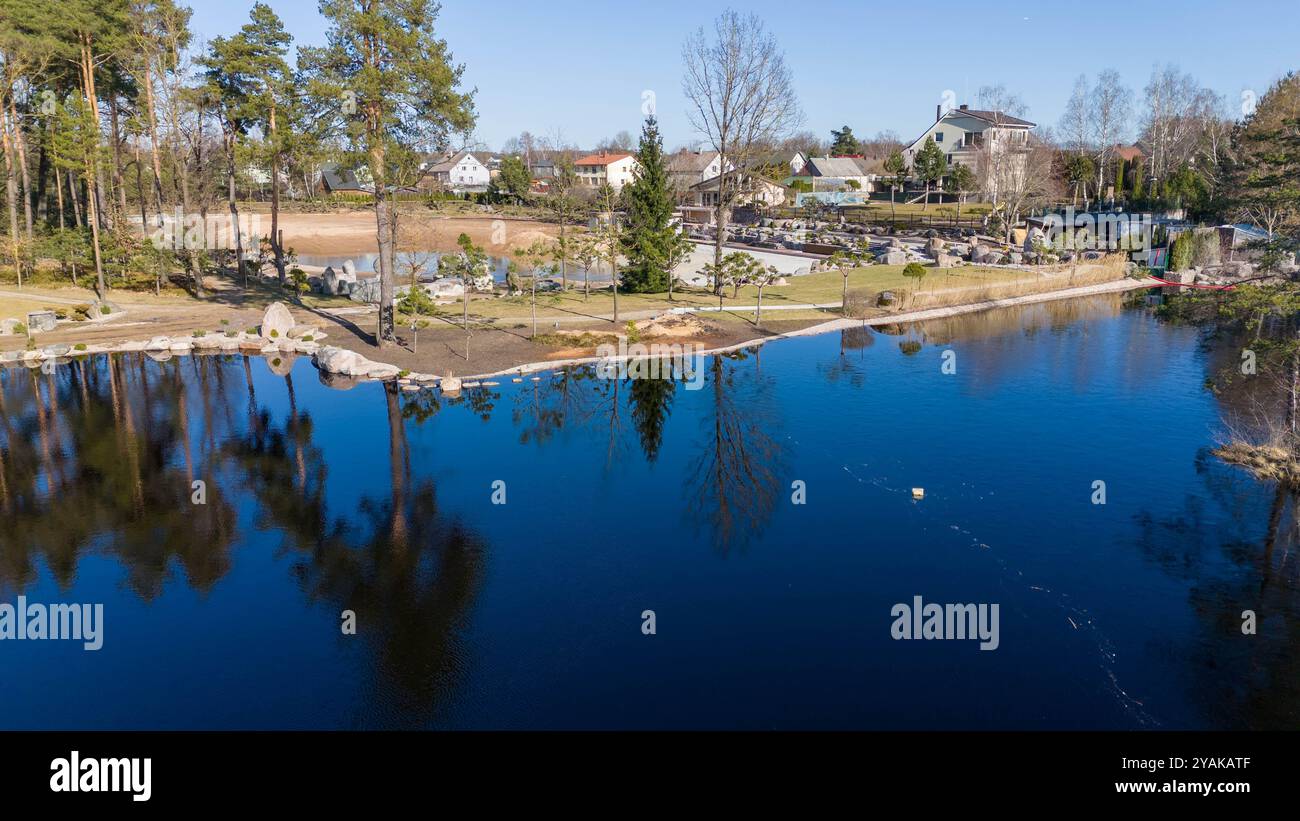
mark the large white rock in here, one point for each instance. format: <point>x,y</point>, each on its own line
<point>277,321</point>
<point>158,343</point>
<point>342,361</point>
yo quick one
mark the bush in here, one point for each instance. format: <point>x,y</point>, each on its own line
<point>200,334</point>
<point>105,310</point>
<point>80,346</point>
<point>914,269</point>
<point>1205,247</point>
<point>859,302</point>
<point>20,329</point>
<point>1180,253</point>
<point>633,333</point>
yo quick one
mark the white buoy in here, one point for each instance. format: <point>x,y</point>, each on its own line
<point>918,493</point>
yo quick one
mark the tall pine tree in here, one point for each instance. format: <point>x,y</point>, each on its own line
<point>647,237</point>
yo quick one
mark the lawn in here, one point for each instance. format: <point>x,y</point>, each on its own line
<point>823,288</point>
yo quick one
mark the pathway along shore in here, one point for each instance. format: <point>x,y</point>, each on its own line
<point>833,325</point>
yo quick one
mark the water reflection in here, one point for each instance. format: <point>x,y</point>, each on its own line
<point>360,504</point>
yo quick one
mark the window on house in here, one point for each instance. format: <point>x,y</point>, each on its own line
<point>938,136</point>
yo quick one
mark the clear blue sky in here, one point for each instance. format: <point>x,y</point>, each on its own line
<point>580,66</point>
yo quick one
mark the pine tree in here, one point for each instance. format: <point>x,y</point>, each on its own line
<point>648,234</point>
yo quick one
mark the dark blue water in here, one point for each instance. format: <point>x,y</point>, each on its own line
<point>629,496</point>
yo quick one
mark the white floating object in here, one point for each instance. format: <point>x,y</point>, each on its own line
<point>918,493</point>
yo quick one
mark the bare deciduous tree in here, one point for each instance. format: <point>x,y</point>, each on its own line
<point>740,97</point>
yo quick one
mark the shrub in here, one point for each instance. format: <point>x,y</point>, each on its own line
<point>859,301</point>
<point>62,313</point>
<point>225,322</point>
<point>1180,253</point>
<point>914,269</point>
<point>274,333</point>
<point>309,338</point>
<point>80,346</point>
<point>200,334</point>
<point>105,310</point>
<point>633,333</point>
<point>402,374</point>
<point>20,329</point>
<point>232,334</point>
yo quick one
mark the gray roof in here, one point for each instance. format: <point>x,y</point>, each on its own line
<point>995,117</point>
<point>336,179</point>
<point>837,167</point>
<point>690,162</point>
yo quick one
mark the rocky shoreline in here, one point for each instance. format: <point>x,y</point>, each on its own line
<point>281,341</point>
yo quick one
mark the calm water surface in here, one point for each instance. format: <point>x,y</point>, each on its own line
<point>628,496</point>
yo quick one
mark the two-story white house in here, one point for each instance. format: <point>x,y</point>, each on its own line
<point>461,171</point>
<point>614,167</point>
<point>964,134</point>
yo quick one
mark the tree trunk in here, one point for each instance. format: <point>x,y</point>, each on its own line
<point>276,246</point>
<point>154,148</point>
<point>119,182</point>
<point>92,172</point>
<point>11,195</point>
<point>20,142</point>
<point>236,234</point>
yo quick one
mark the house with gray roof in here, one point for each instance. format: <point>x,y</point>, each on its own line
<point>963,133</point>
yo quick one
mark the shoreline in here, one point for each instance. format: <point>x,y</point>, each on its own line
<point>375,370</point>
<point>832,325</point>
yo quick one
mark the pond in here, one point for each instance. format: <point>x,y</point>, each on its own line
<point>500,551</point>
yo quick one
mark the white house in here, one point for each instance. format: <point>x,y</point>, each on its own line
<point>460,171</point>
<point>963,133</point>
<point>686,168</point>
<point>614,167</point>
<point>797,163</point>
<point>754,190</point>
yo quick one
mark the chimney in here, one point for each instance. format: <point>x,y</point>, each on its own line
<point>965,107</point>
<point>938,112</point>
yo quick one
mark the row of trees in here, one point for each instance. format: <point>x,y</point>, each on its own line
<point>111,114</point>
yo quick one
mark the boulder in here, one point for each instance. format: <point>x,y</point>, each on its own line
<point>1017,258</point>
<point>299,331</point>
<point>158,343</point>
<point>329,282</point>
<point>342,361</point>
<point>948,260</point>
<point>7,326</point>
<point>450,384</point>
<point>56,350</point>
<point>894,256</point>
<point>1034,238</point>
<point>41,321</point>
<point>10,356</point>
<point>277,321</point>
<point>934,246</point>
<point>349,271</point>
<point>365,290</point>
<point>184,346</point>
<point>886,298</point>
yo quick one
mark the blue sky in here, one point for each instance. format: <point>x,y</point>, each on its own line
<point>580,66</point>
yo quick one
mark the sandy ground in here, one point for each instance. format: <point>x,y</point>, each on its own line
<point>353,232</point>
